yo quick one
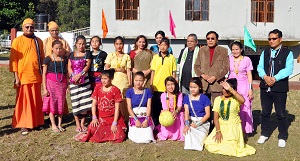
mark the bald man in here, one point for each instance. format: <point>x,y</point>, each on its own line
<point>26,56</point>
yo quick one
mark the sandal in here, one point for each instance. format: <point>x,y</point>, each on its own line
<point>61,129</point>
<point>24,131</point>
<point>78,129</point>
<point>84,129</point>
<point>55,130</point>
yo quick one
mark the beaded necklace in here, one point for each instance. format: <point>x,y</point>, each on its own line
<point>119,62</point>
<point>236,67</point>
<point>225,109</point>
<point>62,69</point>
<point>168,101</point>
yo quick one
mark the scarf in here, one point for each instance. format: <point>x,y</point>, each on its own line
<point>182,61</point>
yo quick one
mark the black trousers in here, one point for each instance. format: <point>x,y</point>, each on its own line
<point>212,95</point>
<point>156,107</point>
<point>279,101</point>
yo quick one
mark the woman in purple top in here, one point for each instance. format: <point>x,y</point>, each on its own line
<point>139,108</point>
<point>240,68</point>
<point>80,87</point>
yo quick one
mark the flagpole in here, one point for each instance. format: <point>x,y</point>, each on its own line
<point>245,25</point>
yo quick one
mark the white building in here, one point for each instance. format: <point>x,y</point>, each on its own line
<point>130,18</point>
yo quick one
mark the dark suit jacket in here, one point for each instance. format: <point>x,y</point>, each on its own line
<point>219,67</point>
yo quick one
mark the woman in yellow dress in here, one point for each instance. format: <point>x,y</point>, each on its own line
<point>227,136</point>
<point>122,64</point>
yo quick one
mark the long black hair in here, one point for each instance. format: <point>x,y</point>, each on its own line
<point>176,90</point>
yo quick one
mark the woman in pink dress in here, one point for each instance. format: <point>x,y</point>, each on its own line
<point>240,68</point>
<point>172,100</point>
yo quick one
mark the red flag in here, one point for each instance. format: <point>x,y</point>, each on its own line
<point>172,24</point>
<point>104,24</point>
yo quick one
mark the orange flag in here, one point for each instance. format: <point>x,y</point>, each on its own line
<point>104,24</point>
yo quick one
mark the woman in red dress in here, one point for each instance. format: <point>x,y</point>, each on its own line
<point>108,123</point>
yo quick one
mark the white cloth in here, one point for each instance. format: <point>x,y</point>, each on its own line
<point>141,135</point>
<point>194,139</point>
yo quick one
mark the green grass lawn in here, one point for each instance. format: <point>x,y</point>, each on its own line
<point>44,145</point>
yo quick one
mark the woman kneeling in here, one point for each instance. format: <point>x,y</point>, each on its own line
<point>197,111</point>
<point>139,108</point>
<point>227,136</point>
<point>107,124</point>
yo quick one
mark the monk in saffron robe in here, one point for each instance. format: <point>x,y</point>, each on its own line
<point>54,35</point>
<point>25,62</point>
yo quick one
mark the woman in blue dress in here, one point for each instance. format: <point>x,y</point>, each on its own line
<point>138,101</point>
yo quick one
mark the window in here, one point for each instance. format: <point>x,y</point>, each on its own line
<point>197,10</point>
<point>262,10</point>
<point>127,9</point>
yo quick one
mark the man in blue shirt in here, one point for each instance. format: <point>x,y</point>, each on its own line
<point>274,68</point>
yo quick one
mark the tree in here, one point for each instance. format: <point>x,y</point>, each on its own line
<point>13,12</point>
<point>69,14</point>
<point>49,7</point>
<point>73,14</point>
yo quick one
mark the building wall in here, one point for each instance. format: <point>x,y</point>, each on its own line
<point>226,17</point>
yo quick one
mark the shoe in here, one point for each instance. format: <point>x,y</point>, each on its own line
<point>281,143</point>
<point>262,139</point>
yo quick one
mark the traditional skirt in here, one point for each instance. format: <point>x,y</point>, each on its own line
<point>28,111</point>
<point>103,133</point>
<point>81,96</point>
<point>194,139</point>
<point>232,143</point>
<point>141,135</point>
<point>173,132</point>
<point>55,102</point>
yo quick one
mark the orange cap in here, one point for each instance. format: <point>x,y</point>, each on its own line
<point>52,25</point>
<point>28,21</point>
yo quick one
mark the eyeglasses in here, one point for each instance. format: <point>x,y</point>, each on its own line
<point>210,38</point>
<point>53,30</point>
<point>272,39</point>
<point>31,27</point>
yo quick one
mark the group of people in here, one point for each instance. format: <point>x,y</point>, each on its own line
<point>210,102</point>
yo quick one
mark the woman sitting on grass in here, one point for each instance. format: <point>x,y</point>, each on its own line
<point>139,108</point>
<point>107,124</point>
<point>172,100</point>
<point>196,113</point>
<point>227,136</point>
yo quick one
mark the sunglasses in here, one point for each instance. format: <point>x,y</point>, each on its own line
<point>210,38</point>
<point>31,27</point>
<point>272,39</point>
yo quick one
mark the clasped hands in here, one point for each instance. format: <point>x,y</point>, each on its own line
<point>138,124</point>
<point>209,79</point>
<point>269,80</point>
